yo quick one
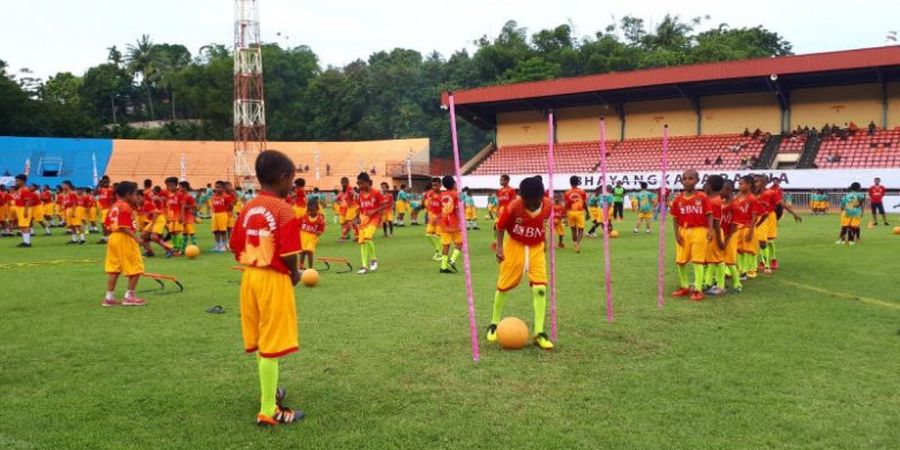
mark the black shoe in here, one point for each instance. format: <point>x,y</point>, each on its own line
<point>71,243</point>
<point>149,254</point>
<point>24,245</point>
<point>101,242</point>
<point>453,267</point>
<point>82,242</point>
<point>445,271</point>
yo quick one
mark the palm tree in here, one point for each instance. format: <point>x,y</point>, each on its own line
<point>142,59</point>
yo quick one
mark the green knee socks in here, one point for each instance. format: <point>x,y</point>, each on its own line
<point>268,384</point>
<point>499,302</point>
<point>539,299</point>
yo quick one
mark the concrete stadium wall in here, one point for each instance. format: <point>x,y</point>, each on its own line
<point>521,127</point>
<point>724,114</point>
<point>582,124</point>
<point>646,119</point>
<point>77,156</point>
<point>836,105</point>
<point>893,105</point>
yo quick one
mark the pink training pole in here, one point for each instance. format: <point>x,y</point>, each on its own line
<point>550,164</point>
<point>607,275</point>
<point>470,298</point>
<point>663,205</point>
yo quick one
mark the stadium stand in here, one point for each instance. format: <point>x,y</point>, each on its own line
<point>701,152</point>
<point>792,144</point>
<point>53,160</point>
<point>861,150</point>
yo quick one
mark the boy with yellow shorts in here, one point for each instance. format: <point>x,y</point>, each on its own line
<point>387,214</point>
<point>220,212</point>
<point>370,207</point>
<point>575,202</point>
<point>692,220</point>
<point>123,253</point>
<point>520,246</point>
<point>851,215</point>
<point>714,278</point>
<point>450,226</point>
<point>312,225</point>
<point>266,241</point>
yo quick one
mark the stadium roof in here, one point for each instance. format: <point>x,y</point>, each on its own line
<point>869,65</point>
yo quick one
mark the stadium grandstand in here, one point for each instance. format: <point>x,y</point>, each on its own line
<point>322,164</point>
<point>825,110</point>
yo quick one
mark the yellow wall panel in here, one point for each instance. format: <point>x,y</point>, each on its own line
<point>521,127</point>
<point>725,114</point>
<point>893,105</point>
<point>646,119</point>
<point>583,124</point>
<point>836,105</point>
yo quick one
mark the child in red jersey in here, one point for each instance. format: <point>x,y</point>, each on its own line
<point>188,215</point>
<point>431,203</point>
<point>692,220</point>
<point>298,198</point>
<point>266,241</point>
<point>155,223</point>
<point>387,214</point>
<point>105,198</point>
<point>576,204</point>
<point>524,220</point>
<point>312,225</point>
<point>123,254</point>
<point>22,201</point>
<point>714,279</point>
<point>450,225</point>
<point>220,212</point>
<point>559,214</point>
<point>370,208</point>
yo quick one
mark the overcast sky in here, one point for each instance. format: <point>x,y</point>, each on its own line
<point>49,36</point>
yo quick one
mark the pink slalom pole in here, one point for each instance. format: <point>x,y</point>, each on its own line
<point>552,249</point>
<point>470,298</point>
<point>663,207</point>
<point>607,274</point>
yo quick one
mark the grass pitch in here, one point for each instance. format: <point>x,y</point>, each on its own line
<point>807,358</point>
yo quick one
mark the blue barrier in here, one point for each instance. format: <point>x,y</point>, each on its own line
<point>54,160</point>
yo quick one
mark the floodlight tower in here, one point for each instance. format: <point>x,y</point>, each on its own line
<point>249,103</point>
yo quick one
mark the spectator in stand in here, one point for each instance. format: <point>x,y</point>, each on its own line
<point>707,161</point>
<point>746,132</point>
<point>872,128</point>
<point>719,160</point>
<point>876,198</point>
<point>752,162</point>
<point>852,128</point>
<point>306,168</point>
<point>757,133</point>
<point>826,130</point>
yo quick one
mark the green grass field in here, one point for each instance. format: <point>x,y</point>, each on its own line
<point>807,358</point>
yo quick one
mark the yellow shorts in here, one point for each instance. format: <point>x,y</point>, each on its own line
<point>158,226</point>
<point>123,255</point>
<point>4,213</point>
<point>731,250</point>
<point>401,206</point>
<point>850,221</point>
<point>366,232</point>
<point>645,215</point>
<point>175,226</point>
<point>92,214</point>
<point>559,228</point>
<point>189,228</point>
<point>715,254</point>
<point>232,219</point>
<point>37,212</point>
<point>220,221</point>
<point>268,313</point>
<point>451,237</point>
<point>575,219</point>
<point>103,213</point>
<point>771,227</point>
<point>740,238</point>
<point>432,228</point>
<point>387,216</point>
<point>23,216</point>
<point>518,260</point>
<point>73,218</point>
<point>350,214</point>
<point>308,242</point>
<point>471,213</point>
<point>299,211</point>
<point>594,212</point>
<point>695,244</point>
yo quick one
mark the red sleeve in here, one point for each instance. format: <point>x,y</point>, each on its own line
<point>707,205</point>
<point>126,219</point>
<point>287,236</point>
<point>675,208</point>
<point>505,217</point>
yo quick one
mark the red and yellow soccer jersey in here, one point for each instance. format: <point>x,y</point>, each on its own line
<point>449,213</point>
<point>505,196</point>
<point>432,202</point>
<point>369,202</point>
<point>120,217</point>
<point>190,204</point>
<point>313,225</point>
<point>46,198</point>
<point>575,199</point>
<point>767,200</point>
<point>387,200</point>
<point>526,227</point>
<point>173,205</point>
<point>106,197</point>
<point>265,232</point>
<point>219,203</point>
<point>86,201</point>
<point>350,198</point>
<point>23,197</point>
<point>299,197</point>
<point>727,217</point>
<point>230,200</point>
<point>876,193</point>
<point>559,211</point>
<point>742,209</point>
<point>148,208</point>
<point>161,200</point>
<point>70,199</point>
<point>3,202</point>
<point>60,198</point>
<point>691,212</point>
<point>715,205</point>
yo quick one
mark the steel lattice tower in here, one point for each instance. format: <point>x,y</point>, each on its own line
<point>249,103</point>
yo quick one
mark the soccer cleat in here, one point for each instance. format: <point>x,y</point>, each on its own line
<point>744,277</point>
<point>453,266</point>
<point>560,245</point>
<point>543,341</point>
<point>696,296</point>
<point>445,271</point>
<point>282,415</point>
<point>849,243</point>
<point>634,231</point>
<point>839,242</point>
<point>774,264</point>
<point>24,245</point>
<point>362,271</point>
<point>736,290</point>
<point>714,291</point>
<point>761,266</point>
<point>681,292</point>
<point>373,266</point>
<point>82,242</point>
<point>169,254</point>
<point>767,271</point>
<point>648,231</point>
<point>72,243</point>
<point>133,301</point>
<point>108,302</point>
<point>492,332</point>
<point>149,254</point>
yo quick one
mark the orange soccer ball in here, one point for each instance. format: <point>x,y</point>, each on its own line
<point>614,233</point>
<point>512,333</point>
<point>192,251</point>
<point>896,230</point>
<point>309,277</point>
